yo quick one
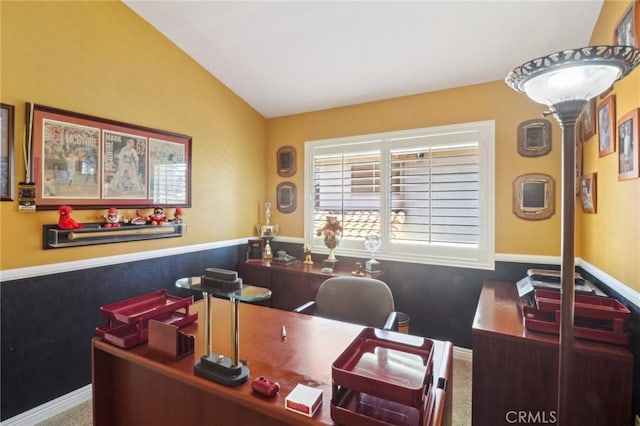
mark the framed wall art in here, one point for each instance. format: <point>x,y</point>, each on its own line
<point>588,119</point>
<point>578,155</point>
<point>534,138</point>
<point>588,195</point>
<point>627,31</point>
<point>91,162</point>
<point>628,155</point>
<point>6,151</point>
<point>607,125</point>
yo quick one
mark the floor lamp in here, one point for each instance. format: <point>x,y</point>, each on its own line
<point>565,81</point>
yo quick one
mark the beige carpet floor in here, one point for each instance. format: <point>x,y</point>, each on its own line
<point>81,414</point>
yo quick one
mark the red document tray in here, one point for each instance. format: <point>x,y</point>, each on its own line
<point>129,335</point>
<point>608,331</point>
<point>129,318</point>
<point>595,307</point>
<point>146,306</point>
<point>388,365</point>
<point>356,408</point>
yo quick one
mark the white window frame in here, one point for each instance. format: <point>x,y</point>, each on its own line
<point>480,257</point>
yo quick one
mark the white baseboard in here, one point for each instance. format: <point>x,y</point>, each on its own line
<point>52,408</point>
<point>463,354</point>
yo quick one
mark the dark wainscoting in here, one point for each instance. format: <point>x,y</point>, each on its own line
<point>440,301</point>
<point>47,322</point>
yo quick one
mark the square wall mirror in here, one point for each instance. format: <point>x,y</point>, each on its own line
<point>534,138</point>
<point>534,196</point>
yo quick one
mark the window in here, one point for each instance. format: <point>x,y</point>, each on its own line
<point>428,193</point>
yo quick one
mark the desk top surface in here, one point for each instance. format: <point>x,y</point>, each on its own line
<point>499,313</point>
<point>305,356</point>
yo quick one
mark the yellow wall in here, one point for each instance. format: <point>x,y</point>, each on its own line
<point>101,59</point>
<point>611,238</point>
<point>602,239</point>
<point>491,101</point>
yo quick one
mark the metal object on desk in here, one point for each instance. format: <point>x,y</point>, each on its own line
<point>216,367</point>
<point>267,231</point>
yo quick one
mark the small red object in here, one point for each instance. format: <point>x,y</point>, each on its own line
<point>265,387</point>
<point>66,221</point>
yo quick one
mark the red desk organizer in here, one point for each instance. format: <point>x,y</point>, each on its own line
<point>128,320</point>
<point>596,318</point>
<point>383,378</point>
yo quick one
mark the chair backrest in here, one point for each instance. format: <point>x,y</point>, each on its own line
<point>360,300</point>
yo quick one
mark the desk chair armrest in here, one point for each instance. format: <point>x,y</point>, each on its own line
<point>307,308</point>
<point>392,322</point>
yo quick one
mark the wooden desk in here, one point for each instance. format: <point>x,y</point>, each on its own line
<point>135,387</point>
<point>292,285</point>
<point>516,371</point>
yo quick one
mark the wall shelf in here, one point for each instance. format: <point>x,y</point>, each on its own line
<point>94,233</point>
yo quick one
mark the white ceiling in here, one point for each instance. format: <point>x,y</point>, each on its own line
<point>288,57</point>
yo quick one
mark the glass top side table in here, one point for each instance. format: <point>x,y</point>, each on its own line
<point>223,370</point>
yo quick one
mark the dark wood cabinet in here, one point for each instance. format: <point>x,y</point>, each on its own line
<point>291,285</point>
<point>515,371</point>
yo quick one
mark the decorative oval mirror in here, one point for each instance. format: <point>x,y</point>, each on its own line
<point>286,197</point>
<point>286,159</point>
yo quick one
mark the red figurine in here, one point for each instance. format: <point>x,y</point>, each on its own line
<point>158,217</point>
<point>177,216</point>
<point>138,220</point>
<point>66,221</point>
<point>112,219</point>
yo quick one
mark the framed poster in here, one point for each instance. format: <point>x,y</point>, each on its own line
<point>588,119</point>
<point>90,162</point>
<point>627,31</point>
<point>628,155</point>
<point>606,125</point>
<point>6,151</point>
<point>588,195</point>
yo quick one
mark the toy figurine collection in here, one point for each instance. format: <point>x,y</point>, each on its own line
<point>113,219</point>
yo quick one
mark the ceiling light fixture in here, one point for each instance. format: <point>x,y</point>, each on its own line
<point>565,81</point>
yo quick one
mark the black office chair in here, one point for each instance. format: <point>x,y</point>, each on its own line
<point>359,300</point>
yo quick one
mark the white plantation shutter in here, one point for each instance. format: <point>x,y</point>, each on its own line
<point>428,193</point>
<point>437,191</point>
<point>347,186</point>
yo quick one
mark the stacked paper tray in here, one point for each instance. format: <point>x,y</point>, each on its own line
<point>127,320</point>
<point>383,378</point>
<point>596,318</point>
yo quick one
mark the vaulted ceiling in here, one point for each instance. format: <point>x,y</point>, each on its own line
<point>288,57</point>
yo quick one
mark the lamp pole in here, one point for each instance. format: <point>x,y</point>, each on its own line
<point>567,114</point>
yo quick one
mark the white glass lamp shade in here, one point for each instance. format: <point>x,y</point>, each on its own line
<point>570,75</point>
<point>579,82</point>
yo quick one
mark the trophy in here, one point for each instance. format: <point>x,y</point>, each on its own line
<point>372,243</point>
<point>267,232</point>
<point>331,233</point>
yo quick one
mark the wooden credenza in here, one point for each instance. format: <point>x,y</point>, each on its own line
<point>291,285</point>
<point>138,387</point>
<point>515,371</point>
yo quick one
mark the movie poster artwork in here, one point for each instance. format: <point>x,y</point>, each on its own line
<point>168,172</point>
<point>70,159</point>
<point>124,173</point>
